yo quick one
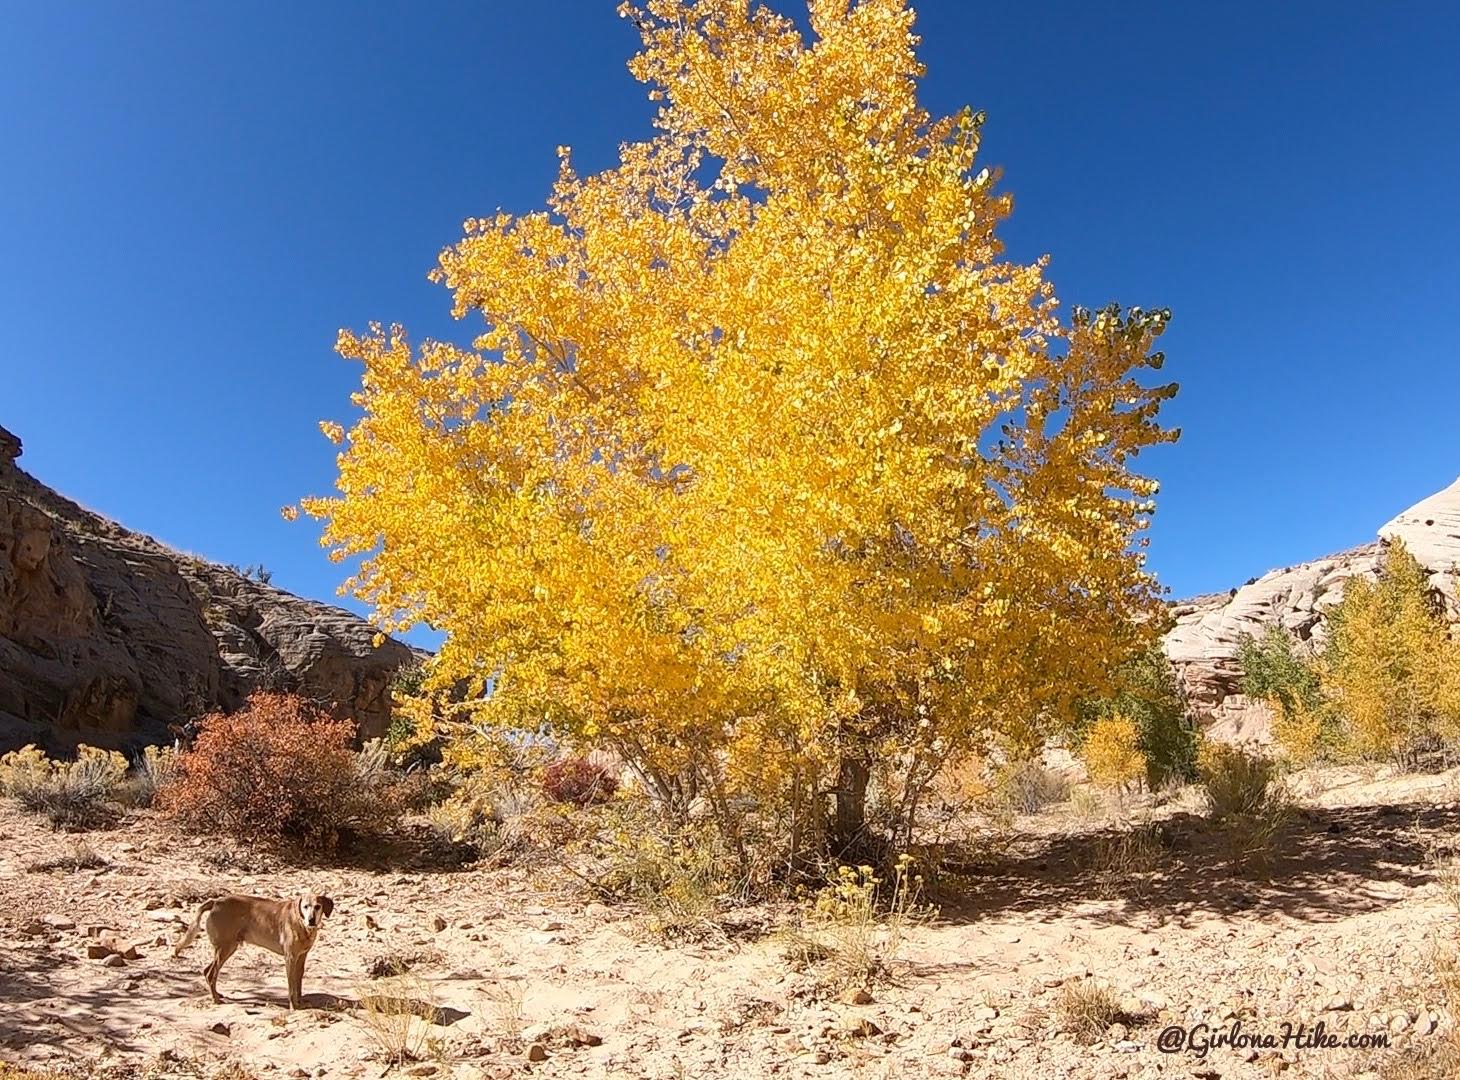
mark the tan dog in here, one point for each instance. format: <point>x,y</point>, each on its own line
<point>286,927</point>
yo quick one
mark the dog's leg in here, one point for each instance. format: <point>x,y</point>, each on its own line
<point>210,976</point>
<point>294,968</point>
<point>220,954</point>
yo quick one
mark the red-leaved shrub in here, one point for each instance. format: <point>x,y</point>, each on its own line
<point>279,769</point>
<point>578,780</point>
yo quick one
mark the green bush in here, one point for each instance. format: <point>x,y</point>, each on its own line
<point>1147,693</point>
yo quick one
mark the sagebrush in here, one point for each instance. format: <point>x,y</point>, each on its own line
<point>77,794</point>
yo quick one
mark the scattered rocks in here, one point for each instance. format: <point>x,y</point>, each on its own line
<point>856,996</point>
<point>536,1052</point>
<point>859,1027</point>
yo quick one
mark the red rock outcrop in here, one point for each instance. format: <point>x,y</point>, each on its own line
<point>109,637</point>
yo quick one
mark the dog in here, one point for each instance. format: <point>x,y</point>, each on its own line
<point>286,927</point>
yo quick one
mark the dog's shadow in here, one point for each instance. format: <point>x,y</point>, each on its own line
<point>439,1015</point>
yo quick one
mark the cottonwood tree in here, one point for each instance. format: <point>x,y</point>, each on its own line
<point>768,469</point>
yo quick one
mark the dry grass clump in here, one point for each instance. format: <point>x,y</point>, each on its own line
<point>505,998</point>
<point>1027,786</point>
<point>1438,1056</point>
<point>79,794</point>
<point>1430,1059</point>
<point>1085,1008</point>
<point>81,856</point>
<point>1247,794</point>
<point>468,824</point>
<point>152,771</point>
<point>25,1072</point>
<point>1120,861</point>
<point>676,875</point>
<point>857,925</point>
<point>397,1012</point>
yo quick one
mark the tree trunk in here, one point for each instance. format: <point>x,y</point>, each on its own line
<point>849,819</point>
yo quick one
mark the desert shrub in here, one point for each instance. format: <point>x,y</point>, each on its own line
<point>1085,1008</point>
<point>1112,753</point>
<point>278,770</point>
<point>675,872</point>
<point>152,770</point>
<point>858,923</point>
<point>1089,804</point>
<point>467,821</point>
<point>1237,781</point>
<point>1026,785</point>
<point>1148,695</point>
<point>578,780</point>
<point>1247,793</point>
<point>78,794</point>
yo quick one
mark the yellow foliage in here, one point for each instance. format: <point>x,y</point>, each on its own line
<point>1112,751</point>
<point>1300,729</point>
<point>765,452</point>
<point>29,766</point>
<point>1390,667</point>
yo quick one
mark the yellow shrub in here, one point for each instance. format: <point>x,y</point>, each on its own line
<point>1299,729</point>
<point>72,794</point>
<point>21,767</point>
<point>1112,751</point>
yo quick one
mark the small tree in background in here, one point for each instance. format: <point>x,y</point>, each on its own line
<point>1390,668</point>
<point>1112,752</point>
<point>1387,682</point>
<point>1276,671</point>
<point>1149,700</point>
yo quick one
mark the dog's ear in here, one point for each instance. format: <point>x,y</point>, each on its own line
<point>327,905</point>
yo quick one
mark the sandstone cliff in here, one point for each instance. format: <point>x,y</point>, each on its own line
<point>108,637</point>
<point>1203,643</point>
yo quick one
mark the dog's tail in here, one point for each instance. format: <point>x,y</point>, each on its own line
<point>193,930</point>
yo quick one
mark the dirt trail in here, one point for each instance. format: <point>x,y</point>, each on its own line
<point>1342,935</point>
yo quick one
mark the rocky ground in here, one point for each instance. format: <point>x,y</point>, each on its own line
<point>522,977</point>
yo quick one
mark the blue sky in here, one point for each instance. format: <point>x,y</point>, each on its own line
<point>195,197</point>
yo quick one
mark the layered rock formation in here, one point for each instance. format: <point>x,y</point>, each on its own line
<point>109,637</point>
<point>1204,643</point>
